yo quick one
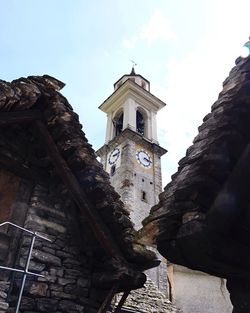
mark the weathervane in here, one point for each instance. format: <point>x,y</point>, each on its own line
<point>133,64</point>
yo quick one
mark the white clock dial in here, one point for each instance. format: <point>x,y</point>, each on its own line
<point>114,155</point>
<point>143,158</point>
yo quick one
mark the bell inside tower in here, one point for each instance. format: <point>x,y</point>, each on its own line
<point>140,123</point>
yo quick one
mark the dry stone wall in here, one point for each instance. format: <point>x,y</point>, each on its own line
<point>4,287</point>
<point>66,286</point>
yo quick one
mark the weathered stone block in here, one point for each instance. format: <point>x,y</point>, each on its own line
<point>71,249</point>
<point>83,282</point>
<point>56,287</point>
<point>46,257</point>
<point>57,271</point>
<point>3,295</point>
<point>34,266</point>
<point>71,261</point>
<point>47,277</point>
<point>47,305</point>
<point>27,303</point>
<point>76,290</point>
<point>63,254</point>
<point>71,273</point>
<point>63,295</point>
<point>67,306</point>
<point>4,286</point>
<point>64,281</point>
<point>4,305</point>
<point>49,250</point>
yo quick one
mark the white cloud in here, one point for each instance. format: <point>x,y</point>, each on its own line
<point>130,43</point>
<point>194,78</point>
<point>157,28</point>
<point>193,81</point>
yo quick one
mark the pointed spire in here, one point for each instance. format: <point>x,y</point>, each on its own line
<point>133,68</point>
<point>133,71</point>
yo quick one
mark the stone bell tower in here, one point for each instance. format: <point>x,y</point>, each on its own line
<point>131,153</point>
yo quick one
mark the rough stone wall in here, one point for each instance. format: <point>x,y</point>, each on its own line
<point>66,286</point>
<point>122,181</point>
<point>149,300</point>
<point>4,287</point>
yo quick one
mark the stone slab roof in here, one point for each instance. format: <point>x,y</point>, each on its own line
<point>202,219</point>
<point>49,144</point>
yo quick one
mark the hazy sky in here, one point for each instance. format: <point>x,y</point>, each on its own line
<point>184,48</point>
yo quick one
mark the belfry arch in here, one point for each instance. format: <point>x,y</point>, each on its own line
<point>118,123</point>
<point>141,122</point>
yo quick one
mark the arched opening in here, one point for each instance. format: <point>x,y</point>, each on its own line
<point>118,124</point>
<point>144,196</point>
<point>140,123</point>
<point>112,170</point>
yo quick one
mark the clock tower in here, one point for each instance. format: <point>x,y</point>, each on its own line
<point>131,153</point>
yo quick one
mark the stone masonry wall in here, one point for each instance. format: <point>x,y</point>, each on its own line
<point>129,181</point>
<point>4,286</point>
<point>66,286</point>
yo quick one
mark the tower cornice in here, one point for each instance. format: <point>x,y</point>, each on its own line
<point>131,88</point>
<point>136,137</point>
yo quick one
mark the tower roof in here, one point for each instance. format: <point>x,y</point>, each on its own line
<point>137,78</point>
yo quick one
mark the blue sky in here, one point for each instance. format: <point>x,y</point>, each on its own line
<point>185,48</point>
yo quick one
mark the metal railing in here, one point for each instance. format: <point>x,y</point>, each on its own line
<point>24,271</point>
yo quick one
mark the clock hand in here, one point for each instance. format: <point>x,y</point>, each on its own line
<point>147,160</point>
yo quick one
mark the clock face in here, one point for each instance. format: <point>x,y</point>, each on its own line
<point>114,155</point>
<point>143,158</point>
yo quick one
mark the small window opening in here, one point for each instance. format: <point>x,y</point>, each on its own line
<point>112,170</point>
<point>142,180</point>
<point>143,196</point>
<point>140,124</point>
<point>118,125</point>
